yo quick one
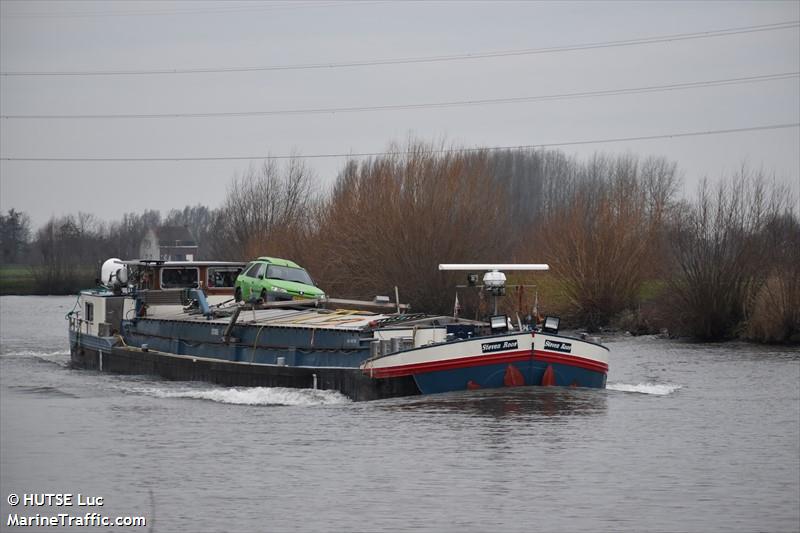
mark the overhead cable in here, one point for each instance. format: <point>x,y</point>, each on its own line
<point>376,154</point>
<point>423,59</point>
<point>452,103</point>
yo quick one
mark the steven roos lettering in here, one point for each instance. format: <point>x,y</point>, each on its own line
<point>499,346</point>
<point>558,346</point>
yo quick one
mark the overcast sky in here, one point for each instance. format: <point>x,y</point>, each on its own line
<point>81,37</point>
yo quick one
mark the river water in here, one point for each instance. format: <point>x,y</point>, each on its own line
<point>687,437</point>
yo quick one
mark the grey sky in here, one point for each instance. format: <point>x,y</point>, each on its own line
<point>103,36</point>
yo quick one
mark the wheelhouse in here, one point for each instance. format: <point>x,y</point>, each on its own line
<point>214,277</point>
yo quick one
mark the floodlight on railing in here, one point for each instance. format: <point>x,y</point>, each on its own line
<point>551,324</point>
<point>498,323</point>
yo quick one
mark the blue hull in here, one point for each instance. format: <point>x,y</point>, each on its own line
<point>101,353</point>
<point>494,376</point>
<point>262,345</point>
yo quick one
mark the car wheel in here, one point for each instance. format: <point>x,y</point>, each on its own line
<point>237,294</point>
<point>263,295</point>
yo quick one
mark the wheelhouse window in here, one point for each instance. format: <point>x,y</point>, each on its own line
<point>222,277</point>
<point>89,312</point>
<point>180,277</point>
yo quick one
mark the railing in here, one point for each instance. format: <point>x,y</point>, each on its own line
<point>76,324</point>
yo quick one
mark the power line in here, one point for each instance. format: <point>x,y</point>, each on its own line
<point>423,59</point>
<point>375,154</point>
<point>455,103</point>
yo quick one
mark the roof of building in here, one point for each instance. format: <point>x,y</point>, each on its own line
<point>173,234</point>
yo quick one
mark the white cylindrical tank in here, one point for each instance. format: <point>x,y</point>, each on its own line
<point>114,273</point>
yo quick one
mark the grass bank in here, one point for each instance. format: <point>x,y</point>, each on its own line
<point>27,280</point>
<point>17,279</point>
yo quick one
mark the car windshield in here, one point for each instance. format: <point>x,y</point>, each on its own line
<point>289,274</point>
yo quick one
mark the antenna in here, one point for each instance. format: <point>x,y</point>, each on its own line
<point>494,281</point>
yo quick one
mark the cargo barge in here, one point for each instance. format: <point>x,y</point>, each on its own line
<point>365,350</point>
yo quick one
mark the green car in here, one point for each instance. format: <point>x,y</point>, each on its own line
<point>271,279</point>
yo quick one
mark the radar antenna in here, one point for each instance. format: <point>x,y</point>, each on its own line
<point>494,281</point>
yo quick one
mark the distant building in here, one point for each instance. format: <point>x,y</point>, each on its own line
<point>168,243</point>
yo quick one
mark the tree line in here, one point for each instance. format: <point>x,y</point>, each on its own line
<point>625,249</point>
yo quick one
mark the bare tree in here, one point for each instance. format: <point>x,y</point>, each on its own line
<point>122,238</point>
<point>263,211</point>
<point>774,315</point>
<point>600,238</point>
<point>15,233</point>
<point>720,252</point>
<point>68,254</point>
<point>391,220</point>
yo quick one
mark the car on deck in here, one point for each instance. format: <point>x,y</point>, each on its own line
<point>271,279</point>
